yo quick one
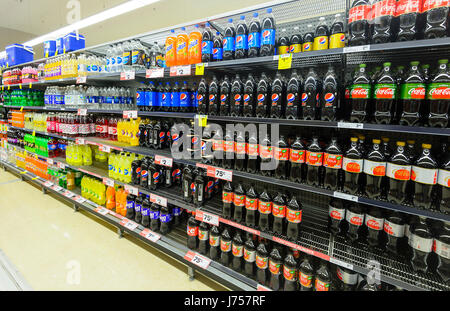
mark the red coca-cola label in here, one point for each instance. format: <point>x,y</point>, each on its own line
<point>228,146</point>
<point>266,152</point>
<point>251,204</point>
<point>282,154</point>
<point>261,262</point>
<point>192,231</point>
<point>360,93</point>
<point>265,207</point>
<point>433,4</point>
<point>241,148</point>
<point>293,216</point>
<point>217,145</point>
<point>297,156</point>
<point>253,150</point>
<point>358,13</point>
<point>439,93</point>
<point>314,158</point>
<point>408,6</point>
<point>274,267</point>
<point>101,128</point>
<point>227,197</point>
<point>305,280</point>
<point>239,200</point>
<point>279,210</point>
<point>384,8</point>
<point>384,93</point>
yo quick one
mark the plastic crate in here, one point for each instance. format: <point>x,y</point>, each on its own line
<point>18,54</point>
<point>72,42</point>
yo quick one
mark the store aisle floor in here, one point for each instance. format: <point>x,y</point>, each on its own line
<point>55,248</point>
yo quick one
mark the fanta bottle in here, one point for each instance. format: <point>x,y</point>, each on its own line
<point>110,198</point>
<point>171,47</point>
<point>123,202</point>
<point>119,206</point>
<point>195,46</point>
<point>182,48</point>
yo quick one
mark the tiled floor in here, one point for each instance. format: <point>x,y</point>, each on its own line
<point>55,248</point>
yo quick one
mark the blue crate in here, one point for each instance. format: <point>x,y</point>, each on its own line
<point>49,48</point>
<point>19,54</point>
<point>72,42</point>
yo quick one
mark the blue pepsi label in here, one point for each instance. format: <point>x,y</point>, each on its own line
<point>52,147</point>
<point>175,99</point>
<point>145,212</point>
<point>241,42</point>
<point>160,99</point>
<point>166,99</point>
<point>150,98</point>
<point>109,99</point>
<point>254,40</point>
<point>184,99</point>
<point>165,218</point>
<point>207,47</point>
<point>217,53</point>
<point>228,43</point>
<point>268,37</point>
<point>176,211</point>
<point>154,215</point>
<point>137,208</point>
<point>140,98</point>
<point>130,204</point>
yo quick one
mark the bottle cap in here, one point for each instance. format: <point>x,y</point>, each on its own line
<point>362,66</point>
<point>443,61</point>
<point>376,141</point>
<point>401,143</point>
<point>426,146</point>
<point>410,142</point>
<point>425,66</point>
<point>387,64</point>
<point>242,17</point>
<point>255,14</point>
<point>415,63</point>
<point>269,10</point>
<point>207,24</point>
<point>354,139</point>
<point>230,20</point>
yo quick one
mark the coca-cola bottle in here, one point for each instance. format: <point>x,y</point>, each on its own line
<point>441,246</point>
<point>394,227</point>
<point>203,238</point>
<point>412,96</point>
<point>249,99</point>
<point>437,19</point>
<point>324,280</point>
<point>293,91</point>
<point>214,243</point>
<point>421,243</point>
<point>358,22</point>
<point>310,97</point>
<point>192,232</point>
<point>275,268</point>
<point>290,273</point>
<point>251,207</point>
<point>384,26</point>
<point>279,213</point>
<point>314,161</point>
<point>332,161</point>
<point>281,154</point>
<point>424,174</point>
<point>266,153</point>
<point>262,263</point>
<point>294,218</point>
<point>409,20</point>
<point>374,223</point>
<point>398,170</point>
<point>385,92</point>
<point>240,151</point>
<point>444,182</point>
<point>375,170</point>
<point>348,278</point>
<point>355,220</point>
<point>264,209</point>
<point>438,96</point>
<point>225,247</point>
<point>306,274</point>
<point>239,203</point>
<point>237,249</point>
<point>360,93</point>
<point>297,156</point>
<point>227,200</point>
<point>330,98</point>
<point>249,257</point>
<point>336,213</point>
<point>352,165</point>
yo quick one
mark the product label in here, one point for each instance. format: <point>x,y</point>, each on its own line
<point>203,235</point>
<point>314,158</point>
<point>385,91</point>
<point>394,230</point>
<point>433,4</point>
<point>207,47</point>
<point>291,99</point>
<point>442,249</point>
<point>254,40</point>
<point>218,145</point>
<point>336,213</point>
<point>305,279</point>
<point>192,231</point>
<point>249,255</point>
<point>181,49</point>
<point>237,250</point>
<point>421,244</point>
<point>437,91</point>
<point>399,172</point>
<point>424,175</point>
<point>320,43</point>
<point>279,210</point>
<point>228,146</point>
<point>374,168</point>
<point>166,218</point>
<point>227,197</point>
<point>374,223</point>
<point>352,165</point>
<point>354,219</point>
<point>265,152</point>
<point>383,8</point>
<point>225,246</point>
<point>253,150</point>
<point>217,53</point>
<point>241,42</point>
<point>307,46</point>
<point>282,154</point>
<point>265,207</point>
<point>214,241</point>
<point>297,156</point>
<point>360,91</point>
<point>283,49</point>
<point>413,91</point>
<point>295,48</point>
<point>241,148</point>
<point>274,267</point>
<point>251,204</point>
<point>408,6</point>
<point>261,262</point>
<point>358,13</point>
<point>337,41</point>
<point>329,99</point>
<point>444,178</point>
<point>322,286</point>
<point>228,44</point>
<point>347,278</point>
<point>332,160</point>
<point>293,216</point>
<point>239,200</point>
<point>268,37</point>
<point>290,274</point>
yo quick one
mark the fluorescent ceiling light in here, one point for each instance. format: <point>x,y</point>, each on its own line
<point>91,20</point>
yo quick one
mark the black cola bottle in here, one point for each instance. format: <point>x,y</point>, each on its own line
<point>336,215</point>
<point>310,95</point>
<point>374,222</point>
<point>314,162</point>
<point>324,280</point>
<point>394,227</point>
<point>375,170</point>
<point>330,98</point>
<point>281,155</point>
<point>265,210</point>
<point>424,173</point>
<point>332,161</point>
<point>239,203</point>
<point>249,257</point>
<point>297,156</point>
<point>358,22</point>
<point>421,243</point>
<point>355,220</point>
<point>249,97</point>
<point>262,263</point>
<point>398,170</point>
<point>225,247</point>
<point>262,97</point>
<point>214,100</point>
<point>225,100</point>
<point>278,213</point>
<point>290,273</point>
<point>237,97</point>
<point>192,232</point>
<point>294,213</point>
<point>442,244</point>
<point>385,94</point>
<point>227,200</point>
<point>277,106</point>
<point>214,243</point>
<point>438,96</point>
<point>237,249</point>
<point>306,274</point>
<point>360,93</point>
<point>251,207</point>
<point>353,166</point>
<point>275,269</point>
<point>293,91</point>
<point>444,183</point>
<point>203,238</point>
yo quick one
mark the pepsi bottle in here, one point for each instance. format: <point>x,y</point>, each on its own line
<point>329,105</point>
<point>184,97</point>
<point>277,108</point>
<point>225,89</point>
<point>165,219</point>
<point>217,48</point>
<point>254,36</point>
<point>229,41</point>
<point>214,100</point>
<point>202,97</point>
<point>166,102</point>
<point>295,41</point>
<point>262,97</point>
<point>308,39</point>
<point>154,217</point>
<point>145,211</point>
<point>310,97</point>
<point>207,44</point>
<point>268,34</point>
<point>293,91</point>
<point>175,96</point>
<point>241,39</point>
<point>237,96</point>
<point>249,98</point>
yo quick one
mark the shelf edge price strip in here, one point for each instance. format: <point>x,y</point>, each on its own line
<point>105,148</point>
<point>132,190</point>
<point>82,112</point>
<point>154,73</point>
<point>133,114</point>
<point>216,172</point>
<point>207,217</point>
<point>68,194</point>
<point>150,235</point>
<point>57,188</point>
<point>345,196</point>
<point>81,80</point>
<point>158,200</point>
<point>131,225</point>
<point>197,259</point>
<point>354,49</point>
<point>261,288</point>
<point>177,71</point>
<point>80,200</point>
<point>108,182</point>
<point>127,75</point>
<point>348,125</point>
<point>160,160</point>
<point>101,210</point>
<point>341,263</point>
<point>80,141</point>
<point>48,184</point>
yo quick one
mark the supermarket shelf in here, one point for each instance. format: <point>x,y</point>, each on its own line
<point>168,245</point>
<point>42,133</point>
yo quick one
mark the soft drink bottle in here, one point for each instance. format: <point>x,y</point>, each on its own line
<point>262,262</point>
<point>321,35</point>
<point>225,247</point>
<point>237,90</point>
<point>324,280</point>
<point>310,97</point>
<point>175,98</point>
<point>336,213</point>
<point>252,153</point>
<point>337,33</point>
<point>352,165</point>
<point>437,19</point>
<point>229,41</point>
<point>249,103</point>
<point>441,245</point>
<point>293,90</point>
<point>268,34</point>
<point>240,151</point>
<point>314,161</point>
<point>202,95</point>
<point>424,174</point>
<point>308,39</point>
<point>444,182</point>
<point>358,22</point>
<point>146,211</point>
<point>188,179</point>
<point>165,219</point>
<point>138,208</point>
<point>275,268</point>
<point>384,22</point>
<point>438,96</point>
<point>394,227</point>
<point>217,48</point>
<point>130,206</point>
<point>228,147</point>
<point>192,232</point>
<point>278,106</point>
<point>265,209</point>
<point>237,249</point>
<point>374,222</point>
<point>296,42</point>
<point>398,170</point>
<point>195,46</point>
<point>348,278</point>
<point>199,188</point>
<point>294,218</point>
<point>214,243</point>
<point>332,161</point>
<point>166,99</point>
<point>160,94</point>
<point>281,154</point>
<point>193,102</point>
<point>330,98</point>
<point>184,100</point>
<point>385,92</point>
<point>239,203</point>
<point>203,238</point>
<point>182,48</point>
<point>227,200</point>
<point>279,213</point>
<point>207,44</point>
<point>214,100</point>
<point>409,17</point>
<point>306,274</point>
<point>251,207</point>
<point>355,220</point>
<point>375,170</point>
<point>421,243</point>
<point>360,93</point>
<point>297,156</point>
<point>283,43</point>
<point>249,257</point>
<point>266,153</point>
<point>262,97</point>
<point>412,96</point>
<point>241,39</point>
<point>254,36</point>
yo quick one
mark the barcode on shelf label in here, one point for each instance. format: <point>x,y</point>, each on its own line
<point>61,165</point>
<point>347,125</point>
<point>158,200</point>
<point>108,182</point>
<point>127,75</point>
<point>345,196</point>
<point>69,194</point>
<point>355,49</point>
<point>341,263</point>
<point>80,200</point>
<point>154,73</point>
<point>131,225</point>
<point>263,288</point>
<point>177,71</point>
<point>220,173</point>
<point>82,112</point>
<point>81,80</point>
<point>80,141</point>
<point>50,161</point>
<point>57,188</point>
<point>150,235</point>
<point>131,190</point>
<point>101,210</point>
<point>207,217</point>
<point>132,114</point>
<point>48,184</point>
<point>160,160</point>
<point>197,259</point>
<point>104,148</point>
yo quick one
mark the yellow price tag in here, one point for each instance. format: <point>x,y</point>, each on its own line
<point>284,61</point>
<point>30,85</point>
<point>20,86</point>
<point>7,65</point>
<point>3,87</point>
<point>9,87</point>
<point>34,178</point>
<point>202,120</point>
<point>34,132</point>
<point>64,50</point>
<point>200,69</point>
<point>46,55</point>
<point>24,172</point>
<point>21,108</point>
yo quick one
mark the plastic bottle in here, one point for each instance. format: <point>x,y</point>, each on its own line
<point>283,43</point>
<point>262,263</point>
<point>438,96</point>
<point>293,90</point>
<point>225,247</point>
<point>314,160</point>
<point>225,101</point>
<point>240,151</point>
<point>310,97</point>
<point>385,92</point>
<point>355,220</point>
<point>332,161</point>
<point>413,91</point>
<point>266,153</point>
<point>336,213</point>
<point>353,166</point>
<point>262,97</point>
<point>278,105</point>
<point>321,35</point>
<point>252,153</point>
<point>296,42</point>
<point>308,39</point>
<point>203,238</point>
<point>409,17</point>
<point>394,227</point>
<point>268,29</point>
<point>207,44</point>
<point>195,46</point>
<point>229,41</point>
<point>374,222</point>
<point>248,98</point>
<point>237,249</point>
<point>229,148</point>
<point>375,170</point>
<point>444,182</point>
<point>306,274</point>
<point>330,99</point>
<point>202,95</point>
<point>182,48</point>
<point>214,100</point>
<point>297,157</point>
<point>251,207</point>
<point>249,257</point>
<point>424,174</point>
<point>265,209</point>
<point>192,232</point>
<point>217,47</point>
<point>278,213</point>
<point>237,101</point>
<point>348,278</point>
<point>360,94</point>
<point>358,22</point>
<point>437,19</point>
<point>227,200</point>
<point>323,280</point>
<point>398,170</point>
<point>254,36</point>
<point>421,243</point>
<point>275,268</point>
<point>337,33</point>
<point>384,27</point>
<point>294,218</point>
<point>281,155</point>
<point>441,245</point>
<point>241,48</point>
<point>214,243</point>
